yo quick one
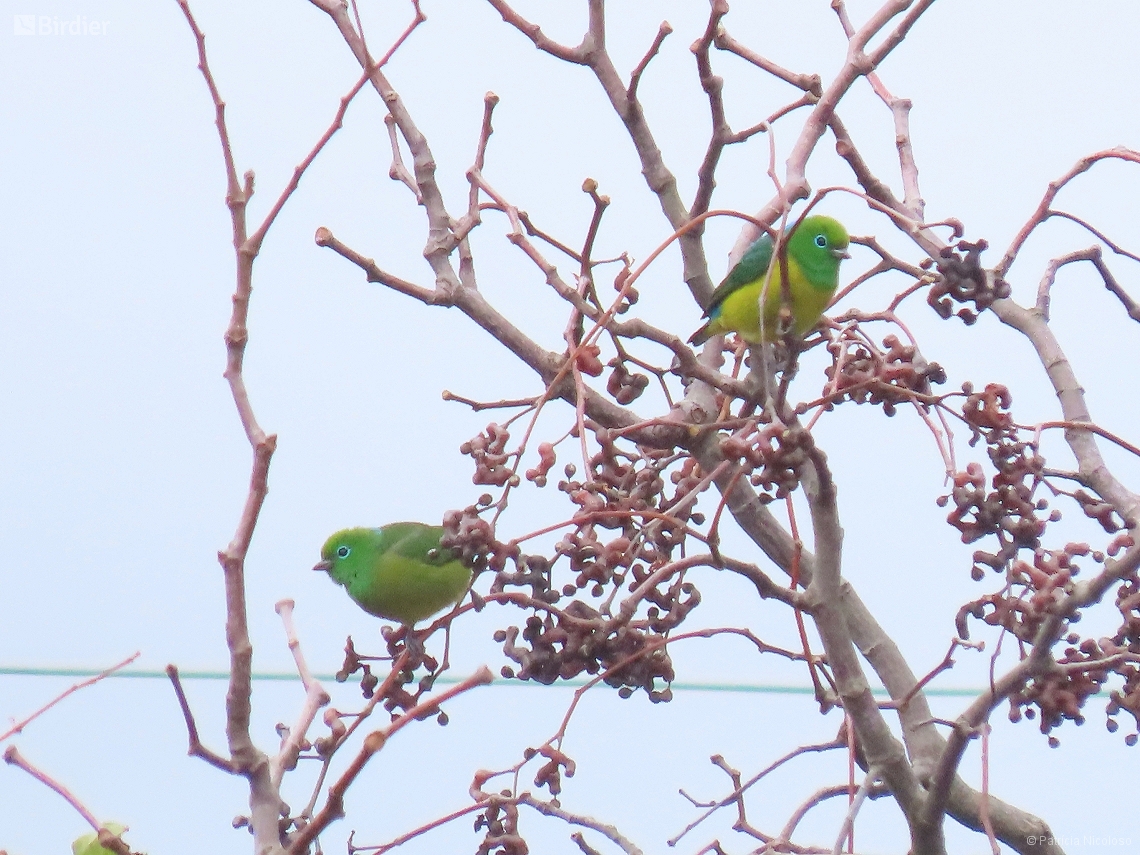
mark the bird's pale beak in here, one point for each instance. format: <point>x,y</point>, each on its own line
<point>326,566</point>
<point>840,253</point>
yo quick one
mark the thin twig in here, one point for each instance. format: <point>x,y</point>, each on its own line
<point>634,79</point>
<point>19,726</point>
<point>1043,209</point>
<point>551,808</point>
<point>112,841</point>
<point>373,743</point>
<point>196,748</point>
<point>732,797</point>
<point>315,698</point>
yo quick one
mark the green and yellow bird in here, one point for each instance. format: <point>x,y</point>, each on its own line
<point>398,571</point>
<point>814,249</point>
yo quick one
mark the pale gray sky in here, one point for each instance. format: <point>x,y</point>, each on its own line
<point>123,467</point>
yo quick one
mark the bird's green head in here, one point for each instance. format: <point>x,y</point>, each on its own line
<point>346,554</point>
<point>818,245</point>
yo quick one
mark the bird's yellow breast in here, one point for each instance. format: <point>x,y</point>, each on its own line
<point>402,589</point>
<point>740,311</point>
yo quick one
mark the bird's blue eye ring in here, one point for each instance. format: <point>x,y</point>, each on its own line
<point>342,551</point>
<point>821,241</point>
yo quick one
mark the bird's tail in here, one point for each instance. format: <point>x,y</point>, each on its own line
<point>702,335</point>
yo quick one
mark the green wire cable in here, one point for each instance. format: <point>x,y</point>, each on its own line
<point>280,676</point>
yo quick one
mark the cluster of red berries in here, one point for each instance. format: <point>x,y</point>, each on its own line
<point>964,280</point>
<point>632,508</point>
<point>863,373</point>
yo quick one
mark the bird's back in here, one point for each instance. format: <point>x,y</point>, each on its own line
<point>412,577</point>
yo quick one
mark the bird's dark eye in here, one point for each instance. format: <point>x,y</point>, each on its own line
<point>342,551</point>
<point>821,241</point>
